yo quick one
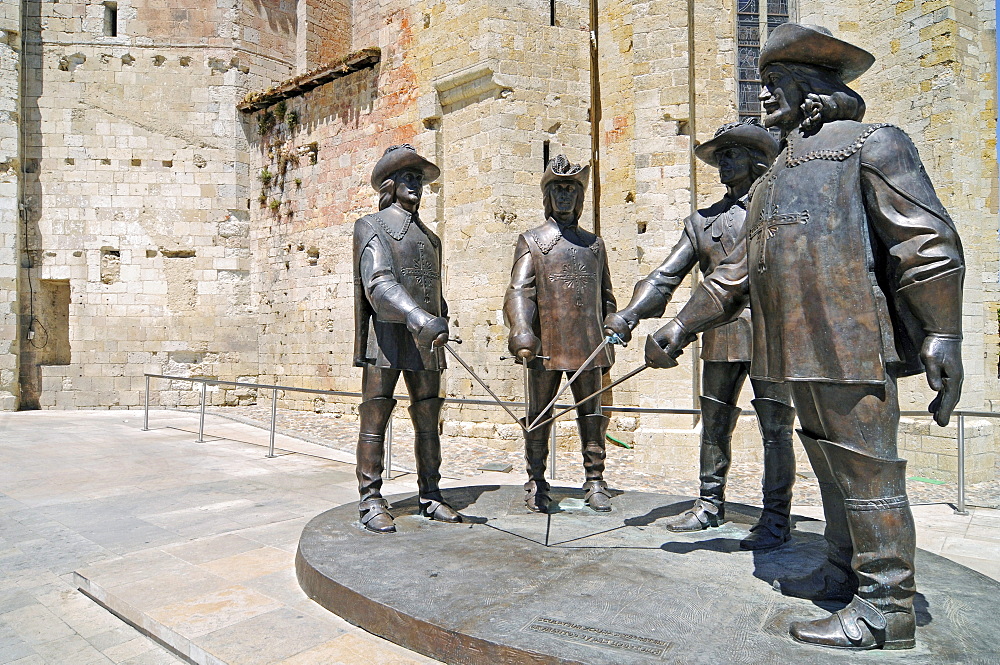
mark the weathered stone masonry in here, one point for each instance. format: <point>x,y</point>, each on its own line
<point>187,237</point>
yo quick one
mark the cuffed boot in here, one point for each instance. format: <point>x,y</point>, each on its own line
<point>881,615</point>
<point>536,452</point>
<point>718,420</point>
<point>427,450</point>
<point>834,580</point>
<point>374,509</point>
<point>593,428</point>
<point>775,420</point>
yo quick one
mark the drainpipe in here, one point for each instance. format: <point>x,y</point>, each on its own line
<point>693,183</point>
<point>595,116</point>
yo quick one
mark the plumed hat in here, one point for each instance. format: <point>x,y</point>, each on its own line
<point>559,168</point>
<point>815,45</point>
<point>748,133</point>
<point>399,157</point>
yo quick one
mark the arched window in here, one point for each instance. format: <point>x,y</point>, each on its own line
<point>752,28</point>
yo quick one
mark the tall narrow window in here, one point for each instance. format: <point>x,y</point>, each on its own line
<point>545,155</point>
<point>751,23</point>
<point>110,19</point>
<point>552,12</point>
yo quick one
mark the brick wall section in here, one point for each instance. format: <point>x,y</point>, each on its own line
<point>133,146</point>
<point>10,170</point>
<point>324,32</point>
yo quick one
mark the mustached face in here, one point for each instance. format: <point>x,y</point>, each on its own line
<point>781,98</point>
<point>409,187</point>
<point>564,196</point>
<point>735,164</point>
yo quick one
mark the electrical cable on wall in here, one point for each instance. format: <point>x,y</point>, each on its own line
<point>33,323</point>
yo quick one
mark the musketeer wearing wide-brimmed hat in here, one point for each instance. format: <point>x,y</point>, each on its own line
<point>559,293</point>
<point>400,324</point>
<point>854,271</point>
<point>742,151</point>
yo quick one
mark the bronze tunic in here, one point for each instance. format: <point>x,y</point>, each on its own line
<point>709,236</point>
<point>561,288</point>
<point>843,223</point>
<point>410,256</point>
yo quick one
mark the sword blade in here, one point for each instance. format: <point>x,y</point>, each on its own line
<point>604,343</point>
<point>480,381</point>
<point>588,398</point>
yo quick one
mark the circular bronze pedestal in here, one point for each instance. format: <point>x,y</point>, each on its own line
<point>607,589</point>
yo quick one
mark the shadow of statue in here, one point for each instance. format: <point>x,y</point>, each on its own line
<point>660,512</point>
<point>458,498</point>
<point>722,545</point>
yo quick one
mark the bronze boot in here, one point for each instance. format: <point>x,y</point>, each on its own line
<point>881,615</point>
<point>374,509</point>
<point>775,420</point>
<point>718,420</point>
<point>592,428</point>
<point>427,450</point>
<point>536,452</point>
<point>834,580</point>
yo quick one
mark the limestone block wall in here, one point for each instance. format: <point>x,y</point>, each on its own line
<point>935,77</point>
<point>324,32</point>
<point>455,81</point>
<point>136,194</point>
<point>10,179</point>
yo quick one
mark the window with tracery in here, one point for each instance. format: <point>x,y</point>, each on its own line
<point>755,19</point>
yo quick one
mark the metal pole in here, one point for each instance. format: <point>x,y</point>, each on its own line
<point>960,508</point>
<point>201,417</point>
<point>145,415</point>
<point>552,452</point>
<point>274,420</point>
<point>388,449</point>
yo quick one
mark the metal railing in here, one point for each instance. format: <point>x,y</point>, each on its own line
<point>960,505</point>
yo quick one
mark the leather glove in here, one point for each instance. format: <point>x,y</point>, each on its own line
<point>616,323</point>
<point>666,344</point>
<point>942,358</point>
<point>427,330</point>
<point>524,345</point>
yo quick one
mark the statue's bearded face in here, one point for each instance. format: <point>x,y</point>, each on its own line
<point>735,164</point>
<point>781,96</point>
<point>564,196</point>
<point>409,187</point>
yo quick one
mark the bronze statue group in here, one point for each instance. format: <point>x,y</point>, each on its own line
<point>834,237</point>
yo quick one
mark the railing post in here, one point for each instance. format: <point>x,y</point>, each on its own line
<point>274,420</point>
<point>388,449</point>
<point>145,414</point>
<point>552,452</point>
<point>960,508</point>
<point>201,416</point>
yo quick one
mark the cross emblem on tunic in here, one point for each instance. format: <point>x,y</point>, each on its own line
<point>574,275</point>
<point>767,227</point>
<point>423,272</point>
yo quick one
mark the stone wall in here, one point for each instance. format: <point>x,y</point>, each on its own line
<point>10,181</point>
<point>136,192</point>
<point>206,242</point>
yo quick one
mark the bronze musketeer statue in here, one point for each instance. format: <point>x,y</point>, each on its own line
<point>742,151</point>
<point>559,293</point>
<point>854,270</point>
<point>400,324</point>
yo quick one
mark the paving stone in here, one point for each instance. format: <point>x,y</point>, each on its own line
<point>268,638</point>
<point>206,613</point>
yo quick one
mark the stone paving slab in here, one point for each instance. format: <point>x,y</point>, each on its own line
<point>79,489</point>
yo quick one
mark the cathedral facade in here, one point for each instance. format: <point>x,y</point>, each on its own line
<point>178,185</point>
